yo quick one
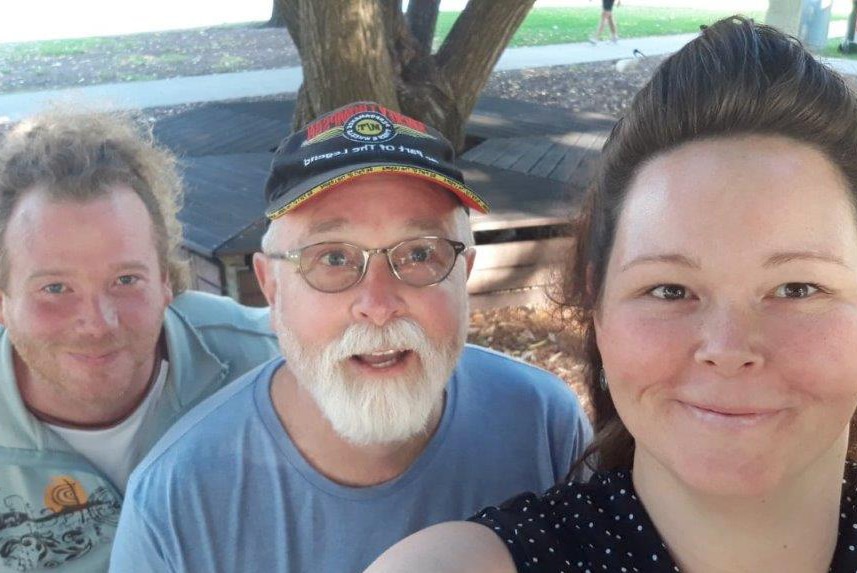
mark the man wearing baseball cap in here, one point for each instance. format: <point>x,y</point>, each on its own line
<point>378,420</point>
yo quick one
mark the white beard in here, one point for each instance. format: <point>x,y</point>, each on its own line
<point>365,411</point>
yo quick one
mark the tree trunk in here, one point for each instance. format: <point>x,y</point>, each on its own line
<point>368,50</point>
<point>278,16</point>
<point>289,13</point>
<point>344,55</point>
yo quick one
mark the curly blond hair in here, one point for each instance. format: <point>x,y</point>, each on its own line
<point>79,156</point>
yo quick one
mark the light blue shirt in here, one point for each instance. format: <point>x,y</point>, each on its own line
<point>57,510</point>
<point>227,490</point>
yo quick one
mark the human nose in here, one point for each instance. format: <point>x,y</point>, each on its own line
<point>378,297</point>
<point>729,341</point>
<point>98,315</point>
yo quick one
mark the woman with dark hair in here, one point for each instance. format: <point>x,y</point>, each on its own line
<point>715,279</point>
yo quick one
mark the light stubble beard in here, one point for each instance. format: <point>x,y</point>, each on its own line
<point>366,411</point>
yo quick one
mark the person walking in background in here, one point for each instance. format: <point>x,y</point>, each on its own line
<point>606,19</point>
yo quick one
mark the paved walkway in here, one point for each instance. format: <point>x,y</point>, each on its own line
<point>218,87</point>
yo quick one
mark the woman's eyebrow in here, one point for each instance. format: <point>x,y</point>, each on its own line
<point>669,258</point>
<point>788,256</point>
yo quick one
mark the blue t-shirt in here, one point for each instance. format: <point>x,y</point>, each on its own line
<point>227,490</point>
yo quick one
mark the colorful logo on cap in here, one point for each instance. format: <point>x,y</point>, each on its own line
<point>369,127</point>
<point>364,123</point>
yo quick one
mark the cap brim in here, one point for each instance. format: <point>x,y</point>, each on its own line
<point>296,197</point>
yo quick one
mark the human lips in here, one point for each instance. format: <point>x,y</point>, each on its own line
<point>729,415</point>
<point>382,359</point>
<point>95,357</point>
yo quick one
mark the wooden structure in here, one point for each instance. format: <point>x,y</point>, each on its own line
<point>530,162</point>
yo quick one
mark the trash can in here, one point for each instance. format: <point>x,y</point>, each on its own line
<point>814,22</point>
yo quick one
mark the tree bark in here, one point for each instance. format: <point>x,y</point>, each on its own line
<point>422,20</point>
<point>289,12</point>
<point>344,54</point>
<point>278,17</point>
<point>367,50</point>
<point>302,114</point>
<point>482,32</point>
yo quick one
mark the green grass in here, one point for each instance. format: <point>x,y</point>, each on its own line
<point>228,63</point>
<point>172,57</point>
<point>137,60</point>
<point>148,59</point>
<point>57,48</point>
<point>545,26</point>
<point>831,50</point>
<point>137,78</point>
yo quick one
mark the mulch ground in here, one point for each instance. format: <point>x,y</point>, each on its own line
<point>533,334</point>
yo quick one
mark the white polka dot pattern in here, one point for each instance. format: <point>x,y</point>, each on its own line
<point>602,526</point>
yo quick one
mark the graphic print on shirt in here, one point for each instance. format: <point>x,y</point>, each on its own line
<point>68,526</point>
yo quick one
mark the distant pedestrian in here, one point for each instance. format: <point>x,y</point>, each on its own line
<point>606,18</point>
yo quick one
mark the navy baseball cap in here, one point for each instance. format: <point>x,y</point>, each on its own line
<point>356,140</point>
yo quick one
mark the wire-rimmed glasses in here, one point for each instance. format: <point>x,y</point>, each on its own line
<point>337,266</point>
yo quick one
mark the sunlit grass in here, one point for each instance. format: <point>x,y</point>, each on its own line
<point>229,63</point>
<point>831,50</point>
<point>57,48</point>
<point>545,26</point>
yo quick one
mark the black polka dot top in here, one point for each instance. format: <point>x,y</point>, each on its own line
<point>602,526</point>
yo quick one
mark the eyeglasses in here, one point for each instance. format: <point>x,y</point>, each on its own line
<point>334,267</point>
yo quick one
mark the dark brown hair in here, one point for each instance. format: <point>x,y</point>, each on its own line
<point>736,78</point>
<point>78,156</point>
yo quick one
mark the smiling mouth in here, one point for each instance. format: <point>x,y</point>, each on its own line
<point>382,359</point>
<point>733,413</point>
<point>94,358</point>
<point>731,416</point>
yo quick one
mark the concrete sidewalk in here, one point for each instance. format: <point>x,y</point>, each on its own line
<point>219,87</point>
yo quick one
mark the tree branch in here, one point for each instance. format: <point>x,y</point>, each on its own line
<point>422,20</point>
<point>475,43</point>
